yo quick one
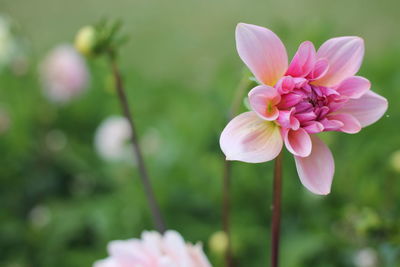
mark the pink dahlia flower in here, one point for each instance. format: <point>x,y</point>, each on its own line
<point>154,250</point>
<point>316,92</point>
<point>64,74</point>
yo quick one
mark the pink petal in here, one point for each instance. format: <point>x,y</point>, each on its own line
<point>175,247</point>
<point>350,124</point>
<point>344,55</point>
<point>321,112</point>
<point>297,142</point>
<point>288,120</point>
<point>109,262</point>
<point>304,107</point>
<point>320,69</point>
<point>263,100</point>
<point>198,257</point>
<point>329,91</point>
<point>127,250</point>
<point>285,85</point>
<point>303,61</point>
<point>367,109</point>
<point>250,139</point>
<point>354,87</point>
<point>262,51</point>
<point>300,82</point>
<point>316,171</point>
<point>306,116</point>
<point>290,100</point>
<point>331,125</point>
<point>313,127</point>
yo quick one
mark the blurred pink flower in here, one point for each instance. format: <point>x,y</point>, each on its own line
<point>154,250</point>
<point>316,92</point>
<point>64,74</point>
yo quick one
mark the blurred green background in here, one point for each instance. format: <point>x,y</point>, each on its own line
<point>60,203</point>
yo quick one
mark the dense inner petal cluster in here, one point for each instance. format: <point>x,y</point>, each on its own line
<point>309,106</point>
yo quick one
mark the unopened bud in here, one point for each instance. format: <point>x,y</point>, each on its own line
<point>218,242</point>
<point>395,161</point>
<point>85,40</point>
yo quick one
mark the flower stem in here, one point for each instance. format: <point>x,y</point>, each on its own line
<point>154,208</point>
<point>226,192</point>
<point>226,203</point>
<point>276,211</point>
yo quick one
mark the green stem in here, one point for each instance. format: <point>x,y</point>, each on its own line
<point>276,211</point>
<point>226,189</point>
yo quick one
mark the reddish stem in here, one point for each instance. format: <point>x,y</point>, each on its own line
<point>144,176</point>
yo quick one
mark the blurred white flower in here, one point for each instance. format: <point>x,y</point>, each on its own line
<point>112,139</point>
<point>6,41</point>
<point>12,48</point>
<point>64,74</point>
<point>154,250</point>
<point>39,216</point>
<point>366,257</point>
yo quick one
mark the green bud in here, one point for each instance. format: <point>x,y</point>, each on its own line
<point>218,242</point>
<point>85,40</point>
<point>395,161</point>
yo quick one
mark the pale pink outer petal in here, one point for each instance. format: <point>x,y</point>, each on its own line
<point>367,109</point>
<point>122,248</point>
<point>316,171</point>
<point>198,257</point>
<point>248,138</point>
<point>152,242</point>
<point>344,55</point>
<point>163,262</point>
<point>303,61</point>
<point>109,262</point>
<point>298,142</point>
<point>263,96</point>
<point>175,247</point>
<point>354,87</point>
<point>130,251</point>
<point>154,250</point>
<point>262,51</point>
<point>350,124</point>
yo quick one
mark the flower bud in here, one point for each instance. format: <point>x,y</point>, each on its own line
<point>85,40</point>
<point>218,242</point>
<point>395,161</point>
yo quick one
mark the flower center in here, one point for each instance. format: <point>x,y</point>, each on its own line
<point>316,98</point>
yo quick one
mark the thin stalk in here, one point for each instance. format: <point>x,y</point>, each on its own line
<point>144,176</point>
<point>276,211</point>
<point>226,191</point>
<point>226,206</point>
